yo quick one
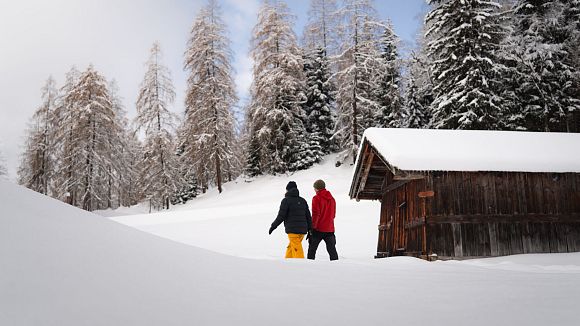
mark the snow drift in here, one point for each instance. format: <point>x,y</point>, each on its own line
<point>62,266</point>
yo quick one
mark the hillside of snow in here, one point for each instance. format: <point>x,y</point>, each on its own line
<point>62,266</point>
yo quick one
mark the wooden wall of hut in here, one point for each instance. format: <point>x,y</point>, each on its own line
<point>481,214</point>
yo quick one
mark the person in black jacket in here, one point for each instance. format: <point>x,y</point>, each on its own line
<point>295,214</point>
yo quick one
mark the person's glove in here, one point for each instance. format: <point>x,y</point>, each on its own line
<point>308,234</point>
<point>271,230</point>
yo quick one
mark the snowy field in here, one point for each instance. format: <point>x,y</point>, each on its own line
<point>63,266</point>
<point>236,222</point>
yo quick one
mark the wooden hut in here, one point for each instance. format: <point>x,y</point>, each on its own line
<point>461,194</point>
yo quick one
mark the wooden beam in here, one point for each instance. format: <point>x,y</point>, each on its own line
<point>505,218</point>
<point>396,185</point>
<point>367,169</point>
<point>408,176</point>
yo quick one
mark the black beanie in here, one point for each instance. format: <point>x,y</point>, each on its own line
<point>291,185</point>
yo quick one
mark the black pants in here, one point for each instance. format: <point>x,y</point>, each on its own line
<point>328,238</point>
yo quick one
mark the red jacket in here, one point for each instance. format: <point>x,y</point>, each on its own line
<point>323,211</point>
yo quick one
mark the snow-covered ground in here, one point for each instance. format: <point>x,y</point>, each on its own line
<point>236,222</point>
<point>63,266</point>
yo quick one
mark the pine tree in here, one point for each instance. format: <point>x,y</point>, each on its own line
<point>415,116</point>
<point>208,131</point>
<point>159,173</point>
<point>418,92</point>
<point>386,81</point>
<point>544,74</point>
<point>189,188</point>
<point>356,104</point>
<point>276,114</point>
<point>318,106</point>
<point>468,72</point>
<point>572,46</point>
<point>38,160</point>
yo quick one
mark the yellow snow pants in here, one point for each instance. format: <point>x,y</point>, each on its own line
<point>294,249</point>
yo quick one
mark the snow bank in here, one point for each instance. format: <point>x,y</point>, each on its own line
<point>475,150</point>
<point>62,266</point>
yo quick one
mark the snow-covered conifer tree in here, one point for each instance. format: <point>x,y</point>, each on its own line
<point>159,172</point>
<point>121,183</point>
<point>466,68</point>
<point>96,138</point>
<point>414,114</point>
<point>189,187</point>
<point>277,132</point>
<point>546,87</point>
<point>39,158</point>
<point>356,63</point>
<point>318,106</point>
<point>65,179</point>
<point>208,131</point>
<point>572,21</point>
<point>418,92</point>
<point>130,187</point>
<point>93,140</point>
<point>386,80</point>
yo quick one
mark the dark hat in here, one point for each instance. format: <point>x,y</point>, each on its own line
<point>319,185</point>
<point>291,185</point>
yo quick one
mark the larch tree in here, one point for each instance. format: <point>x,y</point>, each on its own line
<point>356,63</point>
<point>468,72</point>
<point>121,182</point>
<point>94,140</point>
<point>38,163</point>
<point>159,172</point>
<point>66,181</point>
<point>208,129</point>
<point>321,30</point>
<point>276,116</point>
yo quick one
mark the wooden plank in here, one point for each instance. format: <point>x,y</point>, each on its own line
<point>457,240</point>
<point>516,246</point>
<point>526,238</point>
<point>493,240</point>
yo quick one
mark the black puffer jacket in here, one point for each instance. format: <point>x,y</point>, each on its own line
<point>295,214</point>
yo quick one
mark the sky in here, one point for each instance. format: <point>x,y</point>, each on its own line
<point>40,38</point>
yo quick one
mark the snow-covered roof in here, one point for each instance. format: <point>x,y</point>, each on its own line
<point>475,150</point>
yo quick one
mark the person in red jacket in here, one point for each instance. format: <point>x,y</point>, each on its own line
<point>323,212</point>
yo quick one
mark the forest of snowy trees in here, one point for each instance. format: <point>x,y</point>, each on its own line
<point>478,64</point>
